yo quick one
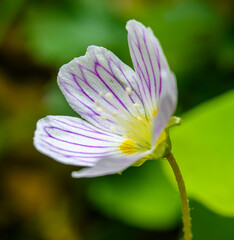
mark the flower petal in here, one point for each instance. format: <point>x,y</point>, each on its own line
<point>148,60</point>
<point>167,104</point>
<point>95,87</point>
<point>109,165</point>
<point>74,141</point>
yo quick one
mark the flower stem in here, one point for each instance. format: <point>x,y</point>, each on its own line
<point>183,196</point>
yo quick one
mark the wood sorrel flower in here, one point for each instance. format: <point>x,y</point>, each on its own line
<point>125,113</point>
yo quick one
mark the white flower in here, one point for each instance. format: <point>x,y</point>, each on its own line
<point>125,113</point>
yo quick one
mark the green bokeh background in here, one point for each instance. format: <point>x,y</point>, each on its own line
<point>38,197</point>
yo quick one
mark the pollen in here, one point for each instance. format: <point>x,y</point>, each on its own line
<point>99,109</point>
<point>128,90</point>
<point>155,112</point>
<point>109,96</point>
<point>128,147</point>
<point>136,105</point>
<point>112,128</point>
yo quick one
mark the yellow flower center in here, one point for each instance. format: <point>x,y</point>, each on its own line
<point>162,137</point>
<point>137,126</point>
<point>128,147</point>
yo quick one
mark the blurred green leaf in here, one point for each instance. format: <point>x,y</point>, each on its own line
<point>208,225</point>
<point>203,147</point>
<point>58,33</point>
<point>187,31</point>
<point>141,197</point>
<point>8,10</point>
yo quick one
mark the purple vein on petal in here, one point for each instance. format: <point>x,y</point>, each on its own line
<point>82,90</point>
<point>151,64</point>
<point>95,113</point>
<point>140,75</point>
<point>159,67</point>
<point>101,79</point>
<point>129,83</point>
<point>66,155</point>
<point>84,80</point>
<point>159,53</point>
<point>72,143</point>
<point>107,86</point>
<point>96,65</point>
<point>143,103</point>
<point>74,133</point>
<point>139,70</point>
<point>116,79</point>
<point>85,129</point>
<point>143,60</point>
<point>85,153</point>
<point>85,113</point>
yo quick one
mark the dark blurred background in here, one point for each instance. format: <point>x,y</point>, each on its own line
<point>38,197</point>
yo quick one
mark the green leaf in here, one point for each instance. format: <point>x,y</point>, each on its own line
<point>8,11</point>
<point>58,33</point>
<point>203,148</point>
<point>142,197</point>
<point>181,27</point>
<point>208,225</point>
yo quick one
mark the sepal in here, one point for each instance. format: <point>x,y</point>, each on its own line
<point>173,121</point>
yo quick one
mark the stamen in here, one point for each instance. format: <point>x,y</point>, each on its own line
<point>131,123</point>
<point>109,96</point>
<point>135,124</point>
<point>99,109</point>
<point>128,147</point>
<point>136,105</point>
<point>130,102</point>
<point>112,128</point>
<point>128,90</point>
<point>131,105</point>
<point>118,107</point>
<point>154,113</point>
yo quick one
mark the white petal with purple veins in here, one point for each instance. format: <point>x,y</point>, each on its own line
<point>96,86</point>
<point>167,104</point>
<point>74,141</point>
<point>109,165</point>
<point>148,60</point>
